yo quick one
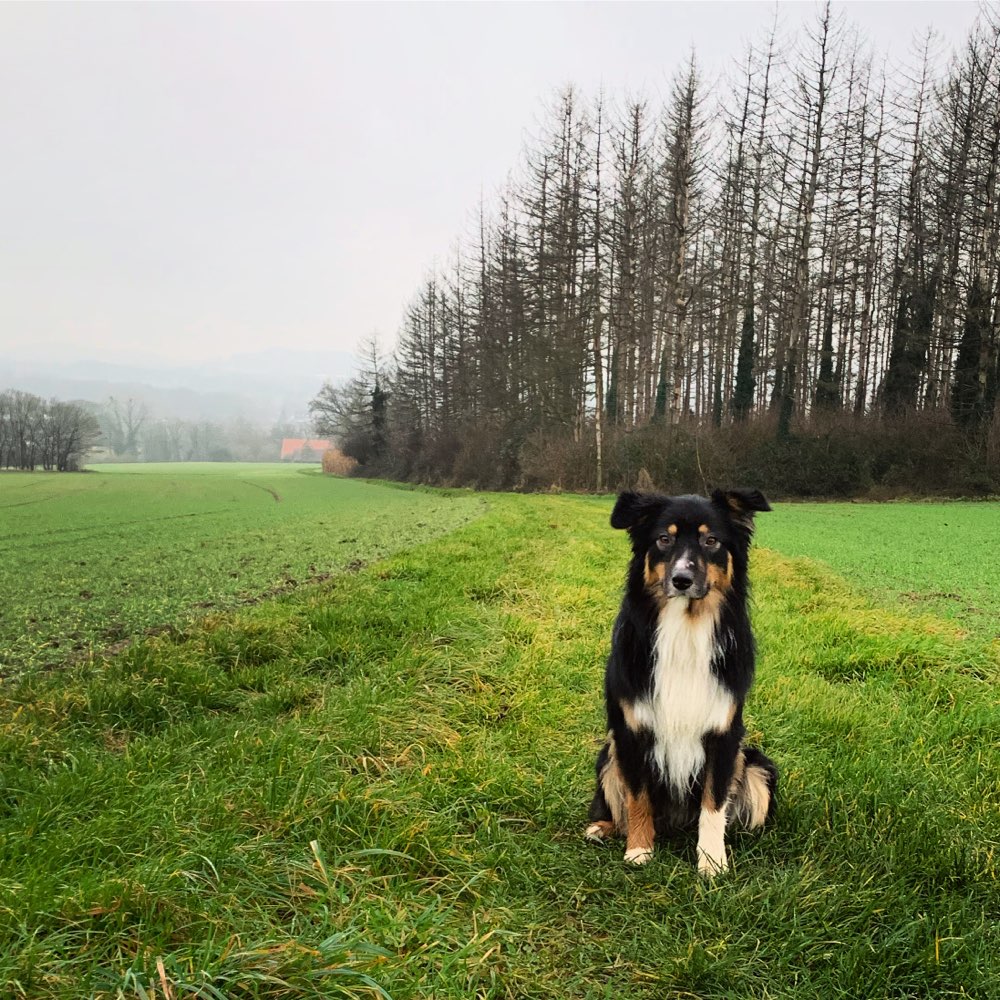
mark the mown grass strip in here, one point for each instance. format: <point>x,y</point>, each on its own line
<point>380,784</point>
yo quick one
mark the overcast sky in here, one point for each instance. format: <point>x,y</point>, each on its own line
<point>186,181</point>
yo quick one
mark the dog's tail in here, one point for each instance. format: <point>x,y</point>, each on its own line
<point>753,797</point>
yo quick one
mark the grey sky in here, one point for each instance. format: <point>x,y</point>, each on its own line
<point>186,181</point>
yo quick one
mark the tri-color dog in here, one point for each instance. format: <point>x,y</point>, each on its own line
<point>681,664</point>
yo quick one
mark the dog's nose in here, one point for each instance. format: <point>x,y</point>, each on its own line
<point>682,581</point>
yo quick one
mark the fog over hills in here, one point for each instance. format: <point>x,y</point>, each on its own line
<point>261,386</point>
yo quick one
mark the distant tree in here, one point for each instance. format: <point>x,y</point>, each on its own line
<point>122,424</point>
<point>22,414</point>
<point>810,114</point>
<point>597,310</point>
<point>738,219</point>
<point>53,434</point>
<point>355,414</point>
<point>916,276</point>
<point>683,168</point>
<point>70,432</point>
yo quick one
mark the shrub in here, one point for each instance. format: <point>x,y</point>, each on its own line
<point>831,455</point>
<point>336,463</point>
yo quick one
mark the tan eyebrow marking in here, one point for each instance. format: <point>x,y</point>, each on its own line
<point>671,529</point>
<point>703,528</point>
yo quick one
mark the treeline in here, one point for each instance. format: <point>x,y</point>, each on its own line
<point>237,440</point>
<point>804,261</point>
<point>52,435</point>
<point>129,433</point>
<point>39,433</point>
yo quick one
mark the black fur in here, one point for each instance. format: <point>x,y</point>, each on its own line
<point>693,550</point>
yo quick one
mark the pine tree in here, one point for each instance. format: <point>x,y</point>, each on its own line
<point>968,398</point>
<point>827,391</point>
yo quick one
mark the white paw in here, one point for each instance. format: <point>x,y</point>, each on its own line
<point>710,866</point>
<point>638,855</point>
<point>595,832</point>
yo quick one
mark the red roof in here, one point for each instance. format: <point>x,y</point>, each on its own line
<point>289,446</point>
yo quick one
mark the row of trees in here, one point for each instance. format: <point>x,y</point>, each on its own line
<point>175,440</point>
<point>52,435</point>
<point>814,243</point>
<point>131,434</point>
<point>35,432</point>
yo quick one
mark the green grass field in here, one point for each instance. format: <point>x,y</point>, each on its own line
<point>939,557</point>
<point>90,560</point>
<point>376,785</point>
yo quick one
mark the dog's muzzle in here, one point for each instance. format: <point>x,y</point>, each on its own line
<point>686,581</point>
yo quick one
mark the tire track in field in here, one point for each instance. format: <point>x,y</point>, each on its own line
<point>51,496</point>
<point>97,531</point>
<point>25,503</point>
<point>266,489</point>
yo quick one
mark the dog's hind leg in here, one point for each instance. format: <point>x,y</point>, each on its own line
<point>607,810</point>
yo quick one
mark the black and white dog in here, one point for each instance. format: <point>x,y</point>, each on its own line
<point>681,664</point>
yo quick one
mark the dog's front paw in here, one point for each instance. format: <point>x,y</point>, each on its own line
<point>638,855</point>
<point>711,865</point>
<point>599,831</point>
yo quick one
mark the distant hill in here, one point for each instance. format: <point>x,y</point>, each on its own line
<point>262,386</point>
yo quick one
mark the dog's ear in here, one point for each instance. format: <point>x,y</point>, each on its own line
<point>632,508</point>
<point>741,505</point>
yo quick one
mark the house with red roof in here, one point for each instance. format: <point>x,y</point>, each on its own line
<point>303,450</point>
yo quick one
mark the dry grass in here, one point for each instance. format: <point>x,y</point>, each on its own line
<point>336,463</point>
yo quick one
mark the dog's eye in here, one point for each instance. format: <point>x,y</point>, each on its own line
<point>665,541</point>
<point>711,542</point>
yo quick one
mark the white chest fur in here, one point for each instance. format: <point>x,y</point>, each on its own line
<point>687,701</point>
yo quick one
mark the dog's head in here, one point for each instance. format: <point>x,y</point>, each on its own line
<point>689,546</point>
